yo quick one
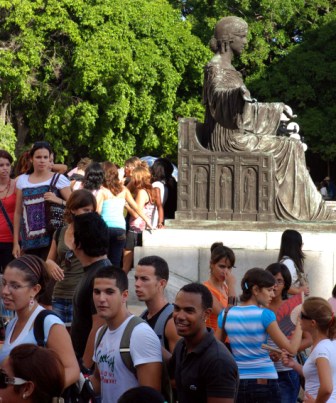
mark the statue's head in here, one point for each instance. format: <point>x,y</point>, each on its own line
<point>226,30</point>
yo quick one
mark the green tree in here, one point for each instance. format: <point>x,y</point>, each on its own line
<point>107,78</point>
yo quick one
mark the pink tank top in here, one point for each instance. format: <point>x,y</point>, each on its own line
<point>138,224</point>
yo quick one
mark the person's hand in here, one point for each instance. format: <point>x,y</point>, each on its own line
<point>230,279</point>
<point>54,270</point>
<point>308,398</point>
<point>287,359</point>
<point>50,196</point>
<point>16,252</point>
<point>275,357</point>
<point>305,290</point>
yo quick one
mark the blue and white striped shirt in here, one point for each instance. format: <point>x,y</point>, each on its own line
<point>246,328</point>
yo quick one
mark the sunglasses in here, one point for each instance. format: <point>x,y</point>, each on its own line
<point>304,316</point>
<point>67,258</point>
<point>6,380</point>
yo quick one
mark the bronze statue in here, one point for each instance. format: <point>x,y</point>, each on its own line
<point>235,122</point>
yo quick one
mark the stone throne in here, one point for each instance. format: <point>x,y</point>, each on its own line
<point>228,186</point>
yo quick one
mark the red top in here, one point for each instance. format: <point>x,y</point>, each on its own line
<point>9,204</point>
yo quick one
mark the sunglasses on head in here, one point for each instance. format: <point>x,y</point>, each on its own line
<point>67,258</point>
<point>6,380</point>
<point>304,316</point>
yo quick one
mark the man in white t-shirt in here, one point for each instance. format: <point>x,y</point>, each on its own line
<point>111,376</point>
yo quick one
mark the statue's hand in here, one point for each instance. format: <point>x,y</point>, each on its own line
<point>288,112</point>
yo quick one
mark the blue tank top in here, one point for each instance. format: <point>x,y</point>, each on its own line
<point>113,212</point>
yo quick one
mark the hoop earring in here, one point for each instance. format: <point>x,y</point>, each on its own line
<point>31,303</point>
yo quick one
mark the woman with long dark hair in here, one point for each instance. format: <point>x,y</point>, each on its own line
<point>33,191</point>
<point>292,256</point>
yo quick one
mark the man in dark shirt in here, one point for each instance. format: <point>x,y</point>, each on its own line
<point>151,277</point>
<point>203,368</point>
<point>89,241</point>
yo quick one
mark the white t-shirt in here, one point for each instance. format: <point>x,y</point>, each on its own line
<point>23,182</point>
<point>291,267</point>
<point>27,333</point>
<point>115,378</point>
<point>324,349</point>
<point>164,195</point>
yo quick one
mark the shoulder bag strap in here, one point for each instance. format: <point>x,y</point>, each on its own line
<point>53,182</point>
<point>4,212</point>
<point>224,335</point>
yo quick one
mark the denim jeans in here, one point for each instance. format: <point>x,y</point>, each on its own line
<point>117,240</point>
<point>63,308</point>
<point>252,392</point>
<point>289,384</point>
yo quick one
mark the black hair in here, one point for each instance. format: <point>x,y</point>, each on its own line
<point>219,251</point>
<point>334,291</point>
<point>114,273</point>
<point>91,234</point>
<point>162,170</point>
<point>281,268</point>
<point>197,288</point>
<point>5,154</point>
<point>94,176</point>
<point>33,269</point>
<point>141,394</point>
<point>38,145</point>
<point>161,269</point>
<point>258,277</point>
<point>291,246</point>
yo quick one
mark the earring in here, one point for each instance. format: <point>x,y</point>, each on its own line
<point>31,303</point>
<point>24,396</point>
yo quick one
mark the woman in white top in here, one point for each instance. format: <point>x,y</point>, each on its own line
<point>292,256</point>
<point>22,284</point>
<point>31,194</point>
<point>318,319</point>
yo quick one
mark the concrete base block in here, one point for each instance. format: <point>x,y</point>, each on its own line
<point>188,254</point>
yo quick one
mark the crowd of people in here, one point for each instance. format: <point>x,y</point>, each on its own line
<point>271,342</point>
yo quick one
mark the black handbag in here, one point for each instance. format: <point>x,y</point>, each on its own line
<point>54,212</point>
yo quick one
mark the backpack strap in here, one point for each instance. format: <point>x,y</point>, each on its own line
<point>39,326</point>
<point>124,347</point>
<point>161,322</point>
<point>101,333</point>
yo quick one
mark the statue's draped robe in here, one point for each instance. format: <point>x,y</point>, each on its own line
<point>233,125</point>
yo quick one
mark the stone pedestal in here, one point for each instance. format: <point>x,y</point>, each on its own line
<point>222,186</point>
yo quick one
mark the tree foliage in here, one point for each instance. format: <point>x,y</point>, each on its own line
<point>107,78</point>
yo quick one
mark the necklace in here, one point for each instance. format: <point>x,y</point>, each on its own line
<point>6,189</point>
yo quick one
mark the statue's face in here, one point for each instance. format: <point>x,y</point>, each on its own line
<point>238,42</point>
